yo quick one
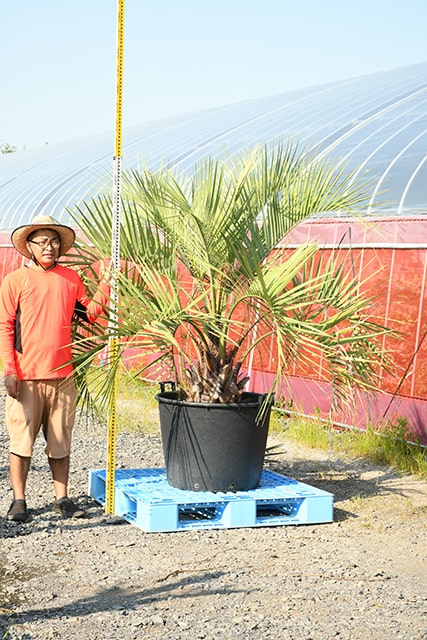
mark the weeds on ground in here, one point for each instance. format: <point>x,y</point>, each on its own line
<point>387,446</point>
<point>136,410</point>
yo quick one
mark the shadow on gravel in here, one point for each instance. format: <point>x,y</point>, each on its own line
<point>341,477</point>
<point>197,585</point>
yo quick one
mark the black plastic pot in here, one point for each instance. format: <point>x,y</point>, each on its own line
<point>213,447</point>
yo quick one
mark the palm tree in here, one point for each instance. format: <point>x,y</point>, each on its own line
<point>203,284</point>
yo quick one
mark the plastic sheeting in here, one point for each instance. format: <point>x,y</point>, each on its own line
<point>390,258</point>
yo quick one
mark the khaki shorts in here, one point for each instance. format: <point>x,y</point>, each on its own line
<point>47,404</point>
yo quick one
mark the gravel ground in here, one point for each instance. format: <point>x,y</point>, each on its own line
<point>361,577</point>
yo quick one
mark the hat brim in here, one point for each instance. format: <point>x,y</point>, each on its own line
<point>19,237</point>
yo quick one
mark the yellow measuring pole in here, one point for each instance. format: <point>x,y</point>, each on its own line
<point>115,258</point>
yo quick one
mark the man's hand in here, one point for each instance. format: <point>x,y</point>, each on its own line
<point>12,384</point>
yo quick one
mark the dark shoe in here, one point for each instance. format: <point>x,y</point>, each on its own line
<point>67,509</point>
<point>17,511</point>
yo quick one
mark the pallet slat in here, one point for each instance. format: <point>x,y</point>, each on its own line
<point>144,498</point>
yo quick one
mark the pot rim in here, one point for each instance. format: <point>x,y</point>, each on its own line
<point>258,400</point>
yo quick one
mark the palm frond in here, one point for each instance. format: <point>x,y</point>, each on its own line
<point>204,283</point>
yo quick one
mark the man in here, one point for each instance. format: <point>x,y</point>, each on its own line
<point>37,305</point>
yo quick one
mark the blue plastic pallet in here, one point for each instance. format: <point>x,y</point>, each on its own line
<point>144,498</point>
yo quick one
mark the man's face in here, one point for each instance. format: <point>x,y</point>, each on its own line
<point>45,245</point>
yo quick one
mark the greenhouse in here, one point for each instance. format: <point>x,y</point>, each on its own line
<point>375,123</point>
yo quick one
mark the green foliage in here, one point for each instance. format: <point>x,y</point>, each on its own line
<point>386,446</point>
<point>5,147</point>
<point>201,285</point>
<point>136,408</point>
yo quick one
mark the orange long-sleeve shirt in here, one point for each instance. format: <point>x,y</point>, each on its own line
<point>36,311</point>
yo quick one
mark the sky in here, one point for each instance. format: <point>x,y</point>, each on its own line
<point>59,57</point>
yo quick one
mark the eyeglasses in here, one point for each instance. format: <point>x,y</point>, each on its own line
<point>55,243</point>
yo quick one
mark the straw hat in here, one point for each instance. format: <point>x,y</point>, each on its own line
<point>19,237</point>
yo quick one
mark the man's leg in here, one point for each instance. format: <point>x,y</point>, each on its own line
<point>58,438</point>
<point>60,469</point>
<point>63,505</point>
<point>23,418</point>
<point>18,466</point>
